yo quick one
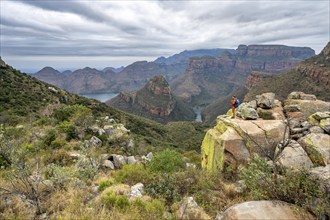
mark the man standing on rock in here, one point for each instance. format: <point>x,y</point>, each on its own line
<point>233,105</point>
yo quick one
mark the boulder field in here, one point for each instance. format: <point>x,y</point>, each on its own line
<point>294,134</point>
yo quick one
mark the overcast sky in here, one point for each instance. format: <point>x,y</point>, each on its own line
<point>69,34</point>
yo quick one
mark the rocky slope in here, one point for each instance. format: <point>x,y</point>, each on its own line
<point>310,76</point>
<point>214,77</point>
<point>155,100</point>
<point>295,136</point>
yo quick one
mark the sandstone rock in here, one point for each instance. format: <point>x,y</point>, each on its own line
<point>308,107</point>
<point>261,210</point>
<point>108,164</point>
<point>275,113</point>
<point>316,129</point>
<point>321,115</point>
<point>294,156</point>
<point>325,125</point>
<point>317,147</point>
<point>75,156</point>
<point>150,156</point>
<point>239,139</point>
<point>95,142</point>
<point>253,104</point>
<point>301,95</point>
<point>246,111</point>
<point>265,100</point>
<point>291,108</point>
<point>119,160</point>
<point>137,190</point>
<point>322,173</point>
<point>189,209</point>
<point>131,160</point>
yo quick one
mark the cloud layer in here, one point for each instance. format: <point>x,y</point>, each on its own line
<point>119,32</point>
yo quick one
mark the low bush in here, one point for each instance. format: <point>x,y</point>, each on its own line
<point>167,161</point>
<point>132,174</point>
<point>104,184</point>
<point>293,186</point>
<point>164,187</point>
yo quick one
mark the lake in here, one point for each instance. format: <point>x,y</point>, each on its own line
<point>102,97</point>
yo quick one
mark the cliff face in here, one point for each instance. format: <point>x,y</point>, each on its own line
<point>310,76</point>
<point>214,76</point>
<point>255,78</point>
<point>154,101</point>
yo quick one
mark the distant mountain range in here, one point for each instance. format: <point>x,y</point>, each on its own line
<point>129,78</point>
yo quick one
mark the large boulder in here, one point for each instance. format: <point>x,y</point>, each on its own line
<point>262,210</point>
<point>119,160</point>
<point>240,139</point>
<point>325,125</point>
<point>247,111</point>
<point>317,147</point>
<point>294,156</point>
<point>265,100</point>
<point>189,209</point>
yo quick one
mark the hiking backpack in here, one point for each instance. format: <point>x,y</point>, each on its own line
<point>237,102</point>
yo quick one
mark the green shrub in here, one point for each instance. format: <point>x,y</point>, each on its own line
<point>59,157</point>
<point>104,184</point>
<point>167,161</point>
<point>49,137</point>
<point>60,176</point>
<point>155,209</point>
<point>122,202</point>
<point>132,174</point>
<point>194,157</point>
<point>297,187</point>
<point>69,129</point>
<point>110,199</point>
<point>164,187</point>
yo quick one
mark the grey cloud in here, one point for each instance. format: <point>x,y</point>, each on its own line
<point>156,28</point>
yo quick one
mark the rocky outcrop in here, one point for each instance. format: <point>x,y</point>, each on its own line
<point>154,101</point>
<point>239,139</point>
<point>262,210</point>
<point>271,134</point>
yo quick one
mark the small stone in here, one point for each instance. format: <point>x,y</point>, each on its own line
<point>150,156</point>
<point>108,164</point>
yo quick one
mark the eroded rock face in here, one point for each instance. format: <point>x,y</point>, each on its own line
<point>239,138</point>
<point>262,210</point>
